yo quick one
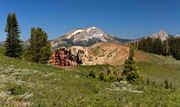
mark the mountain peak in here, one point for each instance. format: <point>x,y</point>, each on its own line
<point>163,35</point>
<point>93,27</point>
<point>162,32</point>
<point>84,37</point>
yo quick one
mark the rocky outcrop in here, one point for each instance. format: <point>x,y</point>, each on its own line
<point>100,53</point>
<point>69,56</point>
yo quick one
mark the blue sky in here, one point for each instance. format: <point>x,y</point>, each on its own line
<point>122,18</point>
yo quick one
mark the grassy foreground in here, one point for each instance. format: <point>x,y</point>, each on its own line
<point>39,85</point>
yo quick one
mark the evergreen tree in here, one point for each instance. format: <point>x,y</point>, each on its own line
<point>40,48</point>
<point>177,56</point>
<point>165,50</point>
<point>177,52</point>
<point>13,43</point>
<point>166,84</point>
<point>174,44</point>
<point>157,45</point>
<point>130,71</point>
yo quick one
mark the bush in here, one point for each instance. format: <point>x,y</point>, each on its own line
<point>166,84</point>
<point>148,82</point>
<point>106,76</point>
<point>101,76</point>
<point>92,74</point>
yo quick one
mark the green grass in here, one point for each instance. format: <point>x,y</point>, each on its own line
<point>160,68</point>
<point>59,87</point>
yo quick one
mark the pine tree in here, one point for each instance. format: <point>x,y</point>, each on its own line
<point>177,52</point>
<point>165,50</point>
<point>40,48</point>
<point>130,70</point>
<point>157,46</point>
<point>174,44</point>
<point>166,84</point>
<point>13,43</point>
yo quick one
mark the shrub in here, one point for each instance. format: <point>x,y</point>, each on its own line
<point>109,76</point>
<point>166,84</point>
<point>101,76</point>
<point>148,82</point>
<point>92,74</point>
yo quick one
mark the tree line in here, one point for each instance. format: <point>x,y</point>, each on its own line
<point>169,47</point>
<point>39,50</point>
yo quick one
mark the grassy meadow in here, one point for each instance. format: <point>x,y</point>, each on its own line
<point>38,85</point>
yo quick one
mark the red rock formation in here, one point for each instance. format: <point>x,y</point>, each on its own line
<point>61,57</point>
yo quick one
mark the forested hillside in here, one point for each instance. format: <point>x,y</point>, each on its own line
<point>169,47</point>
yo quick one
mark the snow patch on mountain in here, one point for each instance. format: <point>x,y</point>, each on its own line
<point>87,34</point>
<point>77,31</point>
<point>89,29</point>
<point>84,37</point>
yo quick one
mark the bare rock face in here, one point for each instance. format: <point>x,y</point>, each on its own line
<point>69,56</point>
<point>100,53</point>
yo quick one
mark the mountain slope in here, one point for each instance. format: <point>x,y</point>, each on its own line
<point>84,37</point>
<point>109,53</point>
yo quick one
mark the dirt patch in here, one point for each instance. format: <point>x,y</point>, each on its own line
<point>110,53</point>
<point>141,56</point>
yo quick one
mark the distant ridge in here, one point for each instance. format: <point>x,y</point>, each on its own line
<point>162,34</point>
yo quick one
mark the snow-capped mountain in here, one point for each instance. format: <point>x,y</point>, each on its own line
<point>83,37</point>
<point>162,35</point>
<point>87,34</point>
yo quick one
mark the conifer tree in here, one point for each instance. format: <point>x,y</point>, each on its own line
<point>166,84</point>
<point>13,43</point>
<point>40,48</point>
<point>130,70</point>
<point>157,46</point>
<point>165,50</point>
<point>177,54</point>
